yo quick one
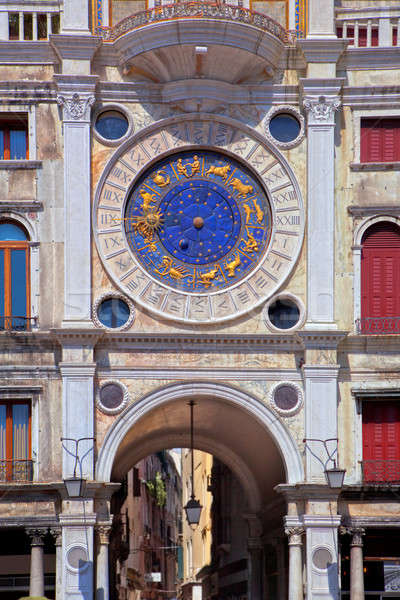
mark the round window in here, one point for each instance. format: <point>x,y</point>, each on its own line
<point>111,125</point>
<point>284,127</point>
<point>286,397</point>
<point>111,395</point>
<point>284,313</point>
<point>113,313</point>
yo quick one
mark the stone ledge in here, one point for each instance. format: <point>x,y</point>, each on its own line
<point>387,166</point>
<point>21,164</point>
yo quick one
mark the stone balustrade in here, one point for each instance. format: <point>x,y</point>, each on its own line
<point>369,27</point>
<point>22,22</point>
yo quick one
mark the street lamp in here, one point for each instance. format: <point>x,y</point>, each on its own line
<point>334,475</point>
<point>74,485</point>
<point>193,507</point>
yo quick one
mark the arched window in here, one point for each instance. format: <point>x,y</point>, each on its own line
<point>14,277</point>
<point>380,279</point>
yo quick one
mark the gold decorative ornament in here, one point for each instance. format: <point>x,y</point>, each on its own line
<point>243,189</point>
<point>206,278</point>
<point>220,171</point>
<point>160,178</point>
<point>175,272</point>
<point>233,264</point>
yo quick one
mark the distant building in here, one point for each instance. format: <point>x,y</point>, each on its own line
<point>145,535</point>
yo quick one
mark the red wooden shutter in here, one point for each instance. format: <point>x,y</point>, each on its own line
<point>381,440</point>
<point>380,272</point>
<point>380,140</point>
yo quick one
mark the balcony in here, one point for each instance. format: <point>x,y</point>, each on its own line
<point>197,10</point>
<point>20,470</point>
<point>16,323</point>
<point>30,23</point>
<point>370,26</point>
<point>378,325</point>
<point>381,472</point>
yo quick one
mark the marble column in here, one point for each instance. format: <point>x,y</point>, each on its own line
<point>321,19</point>
<point>76,101</point>
<point>356,564</point>
<point>321,208</point>
<point>295,563</point>
<point>255,551</point>
<point>36,581</point>
<point>102,572</point>
<point>56,533</point>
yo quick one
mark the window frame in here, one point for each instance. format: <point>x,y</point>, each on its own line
<point>7,246</point>
<point>8,110</point>
<point>9,403</point>
<point>365,114</point>
<point>9,124</point>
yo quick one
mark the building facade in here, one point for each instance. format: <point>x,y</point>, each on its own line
<point>199,202</point>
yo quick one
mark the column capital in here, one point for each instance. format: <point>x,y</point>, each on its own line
<point>103,532</point>
<point>321,109</point>
<point>294,534</point>
<point>37,536</point>
<point>56,533</point>
<point>357,534</point>
<point>76,106</point>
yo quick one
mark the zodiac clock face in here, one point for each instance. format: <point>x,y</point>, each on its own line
<point>198,221</point>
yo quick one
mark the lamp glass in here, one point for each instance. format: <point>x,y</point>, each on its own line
<point>75,487</point>
<point>335,477</point>
<point>193,511</point>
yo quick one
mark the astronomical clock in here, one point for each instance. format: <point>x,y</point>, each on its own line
<point>198,233</point>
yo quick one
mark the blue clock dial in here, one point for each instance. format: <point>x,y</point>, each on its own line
<point>198,222</point>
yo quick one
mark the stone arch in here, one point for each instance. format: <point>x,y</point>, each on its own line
<point>255,410</point>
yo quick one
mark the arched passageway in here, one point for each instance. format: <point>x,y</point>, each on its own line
<point>239,430</point>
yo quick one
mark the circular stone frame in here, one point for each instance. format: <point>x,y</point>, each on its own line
<point>284,109</point>
<point>108,296</point>
<point>198,132</point>
<point>284,296</point>
<point>117,108</point>
<point>291,411</point>
<point>314,557</point>
<point>125,397</point>
<point>70,567</point>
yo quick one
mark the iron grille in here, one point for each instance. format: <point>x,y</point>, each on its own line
<point>381,471</point>
<point>16,470</point>
<point>16,323</point>
<point>378,325</point>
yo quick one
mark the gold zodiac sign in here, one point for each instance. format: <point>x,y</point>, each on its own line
<point>147,200</point>
<point>176,272</point>
<point>220,171</point>
<point>259,212</point>
<point>251,244</point>
<point>206,278</point>
<point>160,178</point>
<point>244,190</point>
<point>249,211</point>
<point>194,167</point>
<point>232,265</point>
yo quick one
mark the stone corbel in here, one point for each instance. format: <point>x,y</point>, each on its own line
<point>321,110</point>
<point>76,107</point>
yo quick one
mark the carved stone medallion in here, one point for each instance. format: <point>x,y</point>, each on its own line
<point>199,219</point>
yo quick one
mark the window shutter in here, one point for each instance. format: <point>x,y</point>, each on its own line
<point>381,440</point>
<point>380,272</point>
<point>380,140</point>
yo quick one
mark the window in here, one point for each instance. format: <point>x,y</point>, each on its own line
<point>380,140</point>
<point>15,441</point>
<point>13,136</point>
<point>381,441</point>
<point>380,279</point>
<point>14,277</point>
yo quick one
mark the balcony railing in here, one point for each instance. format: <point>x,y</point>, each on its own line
<point>196,10</point>
<point>381,472</point>
<point>16,470</point>
<point>16,323</point>
<point>378,325</point>
<point>369,27</point>
<point>28,25</point>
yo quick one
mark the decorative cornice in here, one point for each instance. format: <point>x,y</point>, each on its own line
<point>369,59</point>
<point>322,50</point>
<point>77,337</point>
<point>321,339</point>
<point>20,206</point>
<point>77,370</point>
<point>321,520</point>
<point>75,47</point>
<point>374,392</point>
<point>181,373</point>
<point>20,164</point>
